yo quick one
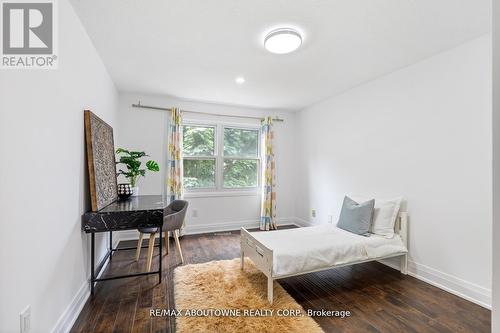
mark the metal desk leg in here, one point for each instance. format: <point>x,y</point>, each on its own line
<point>159,265</point>
<point>110,245</point>
<point>92,250</point>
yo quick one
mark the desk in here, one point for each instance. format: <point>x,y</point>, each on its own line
<point>130,214</point>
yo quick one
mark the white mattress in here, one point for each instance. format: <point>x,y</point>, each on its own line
<point>305,249</point>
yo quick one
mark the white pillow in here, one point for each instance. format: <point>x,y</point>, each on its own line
<point>384,215</point>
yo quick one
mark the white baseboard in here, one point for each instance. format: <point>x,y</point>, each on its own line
<point>72,311</point>
<point>202,228</point>
<point>459,287</point>
<point>464,289</point>
<point>228,226</point>
<point>69,316</point>
<point>302,223</point>
<point>127,235</point>
<point>217,227</point>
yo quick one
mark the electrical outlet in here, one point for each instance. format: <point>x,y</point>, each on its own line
<point>195,213</point>
<point>330,219</point>
<point>313,212</point>
<point>25,319</point>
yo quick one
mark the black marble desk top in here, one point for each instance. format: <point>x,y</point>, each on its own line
<point>138,203</point>
<point>141,211</point>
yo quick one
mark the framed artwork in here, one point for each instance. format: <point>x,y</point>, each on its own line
<point>101,161</point>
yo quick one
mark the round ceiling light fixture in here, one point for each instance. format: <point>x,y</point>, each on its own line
<point>282,40</point>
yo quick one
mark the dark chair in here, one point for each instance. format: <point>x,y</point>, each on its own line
<point>173,219</point>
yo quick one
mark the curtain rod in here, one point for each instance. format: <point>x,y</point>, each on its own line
<point>139,105</point>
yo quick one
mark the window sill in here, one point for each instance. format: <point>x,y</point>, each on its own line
<point>221,194</point>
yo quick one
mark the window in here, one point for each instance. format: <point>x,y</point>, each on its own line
<point>199,157</point>
<point>218,157</point>
<point>241,157</point>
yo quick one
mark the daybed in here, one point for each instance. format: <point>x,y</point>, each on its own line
<point>289,252</point>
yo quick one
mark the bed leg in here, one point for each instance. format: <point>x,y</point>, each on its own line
<point>270,290</point>
<point>404,264</point>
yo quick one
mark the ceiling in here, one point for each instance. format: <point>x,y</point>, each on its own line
<point>194,49</point>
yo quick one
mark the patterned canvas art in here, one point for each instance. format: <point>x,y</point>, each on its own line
<point>101,161</point>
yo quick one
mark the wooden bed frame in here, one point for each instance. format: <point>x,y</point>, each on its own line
<point>262,256</point>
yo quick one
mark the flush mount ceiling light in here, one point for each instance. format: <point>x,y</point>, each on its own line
<point>282,41</point>
<point>240,80</point>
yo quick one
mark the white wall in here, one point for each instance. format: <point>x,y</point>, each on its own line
<point>146,130</point>
<point>423,132</point>
<point>44,190</point>
<point>495,316</point>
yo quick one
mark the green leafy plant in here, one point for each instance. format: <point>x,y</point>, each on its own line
<point>131,159</point>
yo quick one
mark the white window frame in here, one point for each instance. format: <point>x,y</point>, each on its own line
<point>205,157</point>
<point>219,189</point>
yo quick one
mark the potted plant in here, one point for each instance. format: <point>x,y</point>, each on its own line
<point>131,159</point>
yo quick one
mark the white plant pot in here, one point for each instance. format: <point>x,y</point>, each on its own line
<point>135,191</point>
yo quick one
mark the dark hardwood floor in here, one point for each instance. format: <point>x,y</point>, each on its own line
<point>379,298</point>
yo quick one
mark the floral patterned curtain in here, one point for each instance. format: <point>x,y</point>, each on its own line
<point>268,205</point>
<point>174,188</point>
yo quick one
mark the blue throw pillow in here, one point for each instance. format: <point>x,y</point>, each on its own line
<point>356,217</point>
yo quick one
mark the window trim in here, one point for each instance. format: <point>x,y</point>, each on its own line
<point>220,189</point>
<point>203,157</point>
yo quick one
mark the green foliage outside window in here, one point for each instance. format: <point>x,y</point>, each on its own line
<point>240,142</point>
<point>198,141</point>
<point>199,173</point>
<point>239,157</point>
<point>240,173</point>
